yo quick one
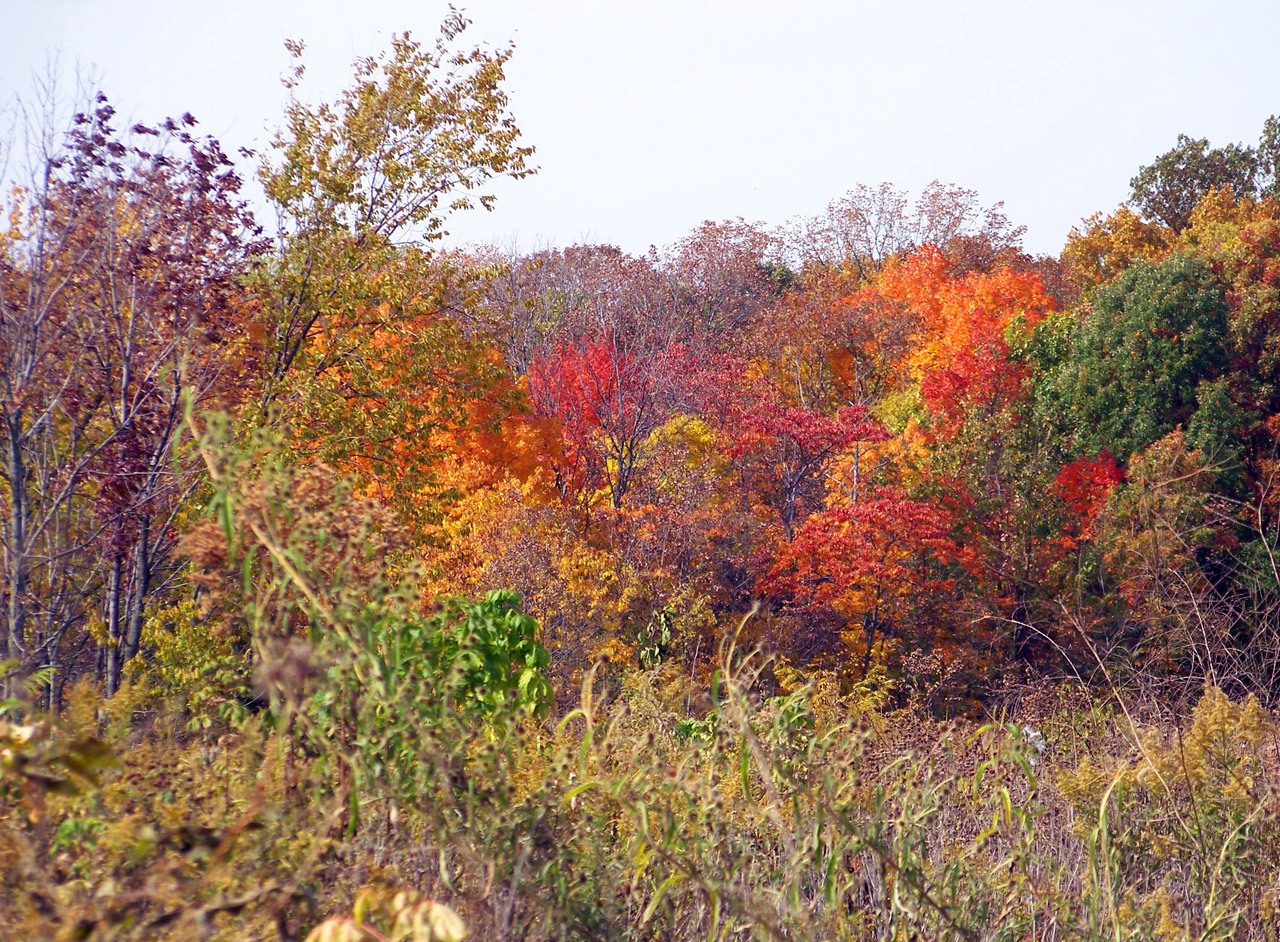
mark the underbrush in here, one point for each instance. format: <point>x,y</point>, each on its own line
<point>323,753</point>
<point>762,818</point>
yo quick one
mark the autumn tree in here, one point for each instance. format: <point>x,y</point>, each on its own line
<point>784,452</point>
<point>362,354</point>
<point>725,276</point>
<point>533,303</point>
<point>963,405</point>
<point>705,289</point>
<point>610,399</point>
<point>966,329</point>
<point>120,298</point>
<point>872,562</point>
<point>1106,246</point>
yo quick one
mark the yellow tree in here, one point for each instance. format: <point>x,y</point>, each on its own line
<point>364,359</point>
<point>1107,245</point>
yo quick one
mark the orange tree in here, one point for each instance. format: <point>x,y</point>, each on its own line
<point>874,563</point>
<point>965,411</point>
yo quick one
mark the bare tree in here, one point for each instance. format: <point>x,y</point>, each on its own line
<point>867,226</point>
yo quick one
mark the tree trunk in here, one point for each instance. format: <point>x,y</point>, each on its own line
<point>1021,630</point>
<point>16,563</point>
<point>114,641</point>
<point>139,588</point>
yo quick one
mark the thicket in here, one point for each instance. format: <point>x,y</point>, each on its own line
<point>869,579</point>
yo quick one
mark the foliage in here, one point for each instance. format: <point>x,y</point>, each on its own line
<point>856,581</point>
<point>1169,188</point>
<point>416,126</point>
<point>199,664</point>
<point>355,302</point>
<point>1142,359</point>
<point>120,270</point>
<point>871,562</point>
<point>1109,245</point>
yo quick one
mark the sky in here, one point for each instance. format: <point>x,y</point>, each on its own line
<point>652,116</point>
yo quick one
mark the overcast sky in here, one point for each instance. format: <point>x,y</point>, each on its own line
<point>651,116</point>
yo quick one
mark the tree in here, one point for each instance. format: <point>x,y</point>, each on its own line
<point>871,561</point>
<point>964,408</point>
<point>119,294</point>
<point>1269,159</point>
<point>1143,360</point>
<point>967,327</point>
<point>868,226</point>
<point>950,339</point>
<point>784,452</point>
<point>535,303</point>
<point>1168,189</point>
<point>416,134</point>
<point>1108,245</point>
<point>724,278</point>
<point>364,359</point>
<point>609,400</point>
<point>419,126</point>
<point>1084,486</point>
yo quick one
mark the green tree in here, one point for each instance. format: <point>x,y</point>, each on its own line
<point>1269,158</point>
<point>1168,189</point>
<point>1145,359</point>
